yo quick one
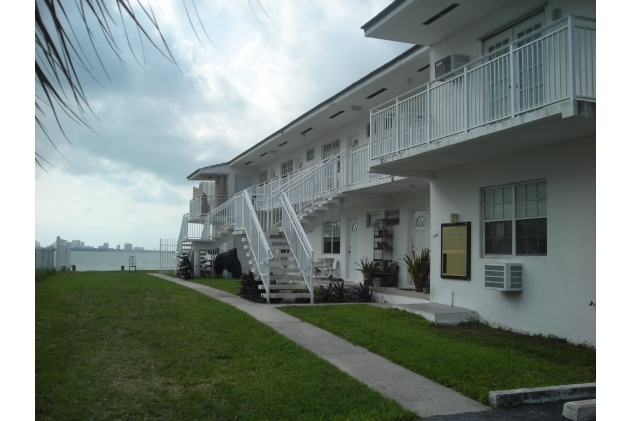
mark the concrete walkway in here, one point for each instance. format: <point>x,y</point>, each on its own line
<point>412,391</point>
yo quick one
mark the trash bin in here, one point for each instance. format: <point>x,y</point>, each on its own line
<point>122,268</point>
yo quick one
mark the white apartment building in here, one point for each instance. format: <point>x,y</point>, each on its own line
<point>477,143</point>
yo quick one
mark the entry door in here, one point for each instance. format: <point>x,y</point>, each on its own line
<point>352,249</point>
<point>420,236</point>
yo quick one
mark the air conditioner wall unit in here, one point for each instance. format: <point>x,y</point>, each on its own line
<point>503,276</point>
<point>449,63</point>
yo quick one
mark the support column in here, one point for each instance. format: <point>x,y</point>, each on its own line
<point>195,263</point>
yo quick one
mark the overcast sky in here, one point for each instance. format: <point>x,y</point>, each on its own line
<point>127,182</point>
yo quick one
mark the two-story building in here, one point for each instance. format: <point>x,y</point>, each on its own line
<point>477,143</point>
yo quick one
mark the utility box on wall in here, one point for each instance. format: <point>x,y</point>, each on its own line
<point>503,276</point>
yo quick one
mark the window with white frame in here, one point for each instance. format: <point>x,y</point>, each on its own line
<point>371,218</point>
<point>332,231</point>
<point>330,149</point>
<point>286,168</point>
<point>515,219</point>
<point>393,216</point>
<point>263,177</point>
<point>310,154</point>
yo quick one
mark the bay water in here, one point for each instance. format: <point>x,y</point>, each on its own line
<point>113,260</point>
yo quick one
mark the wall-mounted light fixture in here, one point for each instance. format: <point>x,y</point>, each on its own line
<point>453,218</point>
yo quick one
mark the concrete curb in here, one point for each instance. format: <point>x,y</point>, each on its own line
<point>542,394</point>
<point>581,410</point>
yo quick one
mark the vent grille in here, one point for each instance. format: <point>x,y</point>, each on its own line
<point>503,276</point>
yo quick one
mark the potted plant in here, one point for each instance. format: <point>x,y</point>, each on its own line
<point>378,274</point>
<point>424,269</point>
<point>412,264</point>
<point>367,268</point>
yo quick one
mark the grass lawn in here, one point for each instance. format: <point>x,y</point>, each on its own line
<point>471,358</point>
<point>231,286</point>
<point>118,345</point>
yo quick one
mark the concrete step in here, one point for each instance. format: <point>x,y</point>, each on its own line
<point>285,278</point>
<point>580,410</point>
<point>284,287</point>
<point>288,295</point>
<point>440,313</point>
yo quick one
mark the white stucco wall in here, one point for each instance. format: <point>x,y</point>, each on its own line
<point>557,288</point>
<point>361,205</point>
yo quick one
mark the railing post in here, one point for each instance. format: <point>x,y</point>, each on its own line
<point>466,99</point>
<point>427,111</point>
<point>513,80</point>
<point>396,130</point>
<point>570,36</point>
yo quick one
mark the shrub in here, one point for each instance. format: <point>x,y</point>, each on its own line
<point>250,288</point>
<point>362,293</point>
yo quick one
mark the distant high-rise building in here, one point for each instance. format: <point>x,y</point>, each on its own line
<point>128,247</point>
<point>75,244</point>
<point>37,245</point>
<point>106,246</point>
<point>118,247</point>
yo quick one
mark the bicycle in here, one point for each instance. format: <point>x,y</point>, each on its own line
<point>206,269</point>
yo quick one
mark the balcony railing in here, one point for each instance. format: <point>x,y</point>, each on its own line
<point>552,64</point>
<point>204,204</point>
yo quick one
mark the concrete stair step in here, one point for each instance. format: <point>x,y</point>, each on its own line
<point>284,287</point>
<point>288,295</point>
<point>285,278</point>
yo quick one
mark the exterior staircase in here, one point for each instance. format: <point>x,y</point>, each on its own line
<point>286,281</point>
<point>274,218</point>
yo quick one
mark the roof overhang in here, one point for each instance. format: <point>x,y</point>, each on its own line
<point>425,22</point>
<point>398,76</point>
<point>212,172</point>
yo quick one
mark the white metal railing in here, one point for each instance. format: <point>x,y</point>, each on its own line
<point>554,63</point>
<point>298,243</point>
<point>206,203</point>
<point>63,254</point>
<point>247,220</point>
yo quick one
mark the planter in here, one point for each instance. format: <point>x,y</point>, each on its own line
<point>377,282</point>
<point>417,285</point>
<point>425,290</point>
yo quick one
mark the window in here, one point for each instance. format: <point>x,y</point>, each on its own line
<point>263,177</point>
<point>329,149</point>
<point>515,218</point>
<point>393,216</point>
<point>371,218</point>
<point>286,168</point>
<point>332,237</point>
<point>310,154</point>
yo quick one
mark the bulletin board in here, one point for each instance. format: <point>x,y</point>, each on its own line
<point>455,251</point>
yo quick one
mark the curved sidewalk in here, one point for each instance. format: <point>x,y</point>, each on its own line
<point>412,391</point>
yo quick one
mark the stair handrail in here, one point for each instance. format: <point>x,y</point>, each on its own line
<point>247,220</point>
<point>298,243</point>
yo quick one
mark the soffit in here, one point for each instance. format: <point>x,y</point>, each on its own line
<point>405,22</point>
<point>395,80</point>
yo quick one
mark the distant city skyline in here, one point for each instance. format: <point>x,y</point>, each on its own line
<point>78,244</point>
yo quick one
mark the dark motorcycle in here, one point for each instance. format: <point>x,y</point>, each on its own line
<point>185,268</point>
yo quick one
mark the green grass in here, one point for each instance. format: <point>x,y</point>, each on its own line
<point>117,345</point>
<point>231,286</point>
<point>471,358</point>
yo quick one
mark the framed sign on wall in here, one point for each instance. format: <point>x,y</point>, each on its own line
<point>455,251</point>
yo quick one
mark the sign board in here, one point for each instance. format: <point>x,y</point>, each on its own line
<point>455,251</point>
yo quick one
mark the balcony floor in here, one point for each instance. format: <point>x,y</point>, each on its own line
<point>556,123</point>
